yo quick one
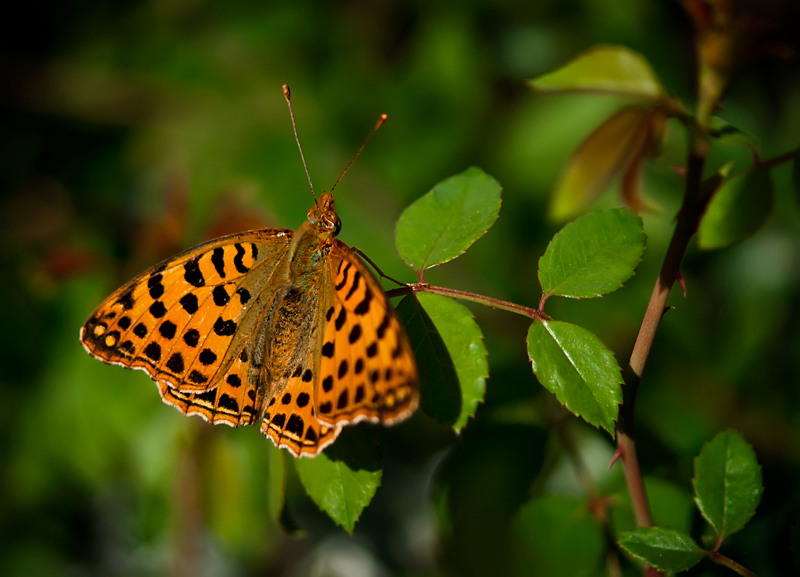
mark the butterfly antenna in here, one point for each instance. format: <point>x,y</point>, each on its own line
<point>378,124</point>
<point>287,94</point>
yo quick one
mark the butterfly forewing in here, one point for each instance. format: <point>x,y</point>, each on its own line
<point>232,401</point>
<point>367,369</point>
<point>178,320</point>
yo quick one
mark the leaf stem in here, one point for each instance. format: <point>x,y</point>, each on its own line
<point>490,302</point>
<point>780,159</point>
<point>721,559</point>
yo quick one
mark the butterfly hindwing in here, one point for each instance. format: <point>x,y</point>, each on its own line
<point>289,420</point>
<point>178,320</point>
<point>367,370</point>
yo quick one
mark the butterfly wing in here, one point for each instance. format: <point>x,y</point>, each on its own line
<point>289,420</point>
<point>183,320</point>
<point>366,367</point>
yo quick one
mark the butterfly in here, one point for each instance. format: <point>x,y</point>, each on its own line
<point>287,327</point>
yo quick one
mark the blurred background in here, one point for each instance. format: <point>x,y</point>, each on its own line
<point>131,130</point>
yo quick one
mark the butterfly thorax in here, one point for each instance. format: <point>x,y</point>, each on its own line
<point>292,317</point>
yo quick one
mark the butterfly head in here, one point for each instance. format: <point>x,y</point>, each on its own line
<point>323,214</point>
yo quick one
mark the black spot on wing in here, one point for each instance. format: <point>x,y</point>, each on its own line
<point>237,260</point>
<point>191,337</point>
<point>345,272</point>
<point>218,260</point>
<point>356,281</point>
<point>175,363</point>
<point>363,306</point>
<point>229,403</point>
<point>192,274</point>
<point>221,297</point>
<point>126,300</point>
<point>140,330</point>
<point>167,330</point>
<point>244,295</point>
<point>207,357</point>
<point>153,351</point>
<point>157,309</point>
<point>295,425</point>
<point>189,303</point>
<point>224,328</point>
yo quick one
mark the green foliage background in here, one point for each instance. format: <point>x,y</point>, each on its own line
<point>131,130</point>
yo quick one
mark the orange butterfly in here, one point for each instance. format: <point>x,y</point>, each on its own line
<point>289,327</point>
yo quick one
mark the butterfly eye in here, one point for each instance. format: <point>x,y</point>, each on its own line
<point>337,226</point>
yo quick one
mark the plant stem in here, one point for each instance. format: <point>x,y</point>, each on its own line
<point>721,559</point>
<point>490,302</point>
<point>688,220</point>
<point>780,159</point>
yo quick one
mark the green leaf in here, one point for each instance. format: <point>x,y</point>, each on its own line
<point>440,392</point>
<point>343,479</point>
<point>593,255</point>
<point>614,69</point>
<point>609,150</point>
<point>573,364</point>
<point>664,549</point>
<point>277,482</point>
<point>464,341</point>
<point>737,210</point>
<point>727,482</point>
<point>726,132</point>
<point>545,534</point>
<point>446,221</point>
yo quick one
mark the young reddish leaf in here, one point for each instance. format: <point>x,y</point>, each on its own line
<point>611,149</point>
<point>614,69</point>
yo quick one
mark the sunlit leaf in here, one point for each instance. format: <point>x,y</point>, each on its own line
<point>613,69</point>
<point>574,365</point>
<point>445,222</point>
<point>664,549</point>
<point>727,482</point>
<point>343,479</point>
<point>464,341</point>
<point>546,531</point>
<point>606,152</point>
<point>737,210</point>
<point>593,255</point>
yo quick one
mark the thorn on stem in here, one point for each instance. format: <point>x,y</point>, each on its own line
<point>681,281</point>
<point>615,458</point>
